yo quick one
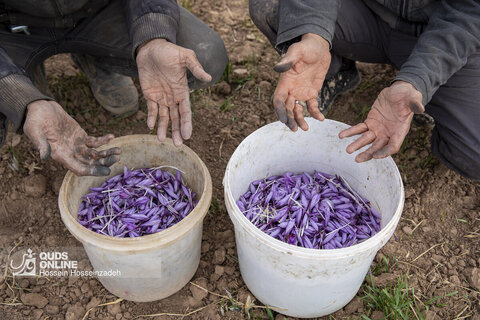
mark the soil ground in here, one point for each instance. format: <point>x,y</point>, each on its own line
<point>435,247</point>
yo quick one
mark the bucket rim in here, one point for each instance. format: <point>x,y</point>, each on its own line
<point>144,243</point>
<point>373,243</point>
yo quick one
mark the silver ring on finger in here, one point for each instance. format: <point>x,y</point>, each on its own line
<point>301,103</point>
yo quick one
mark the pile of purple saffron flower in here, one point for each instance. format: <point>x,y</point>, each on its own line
<point>136,203</point>
<point>317,211</point>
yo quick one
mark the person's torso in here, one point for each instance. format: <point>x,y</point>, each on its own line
<point>45,8</point>
<point>48,13</point>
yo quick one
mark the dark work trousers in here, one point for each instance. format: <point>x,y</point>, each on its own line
<point>361,35</point>
<point>105,36</point>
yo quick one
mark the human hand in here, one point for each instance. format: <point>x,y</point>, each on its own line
<point>303,69</point>
<point>387,123</point>
<point>55,133</point>
<point>162,70</point>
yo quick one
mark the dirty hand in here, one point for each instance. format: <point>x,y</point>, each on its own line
<point>162,70</point>
<point>387,123</point>
<point>55,133</point>
<point>303,69</point>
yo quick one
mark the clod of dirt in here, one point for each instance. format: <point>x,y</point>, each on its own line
<point>199,293</point>
<point>377,315</point>
<point>229,270</point>
<point>51,310</point>
<point>407,230</point>
<point>240,73</point>
<point>34,299</point>
<point>24,283</point>
<point>140,115</point>
<point>265,85</point>
<point>219,270</point>
<point>16,139</point>
<point>384,279</point>
<point>226,235</point>
<point>248,51</point>
<point>74,312</point>
<point>224,88</point>
<point>473,276</point>
<point>355,305</point>
<point>114,309</point>
<point>455,280</point>
<point>205,247</point>
<point>219,256</point>
<point>35,185</point>
<point>56,184</point>
<point>37,314</point>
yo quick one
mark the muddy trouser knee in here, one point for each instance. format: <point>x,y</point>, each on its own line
<point>456,110</point>
<point>264,14</point>
<point>361,35</point>
<point>105,37</point>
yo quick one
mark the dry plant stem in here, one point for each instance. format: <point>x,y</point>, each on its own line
<point>101,305</point>
<point>426,251</point>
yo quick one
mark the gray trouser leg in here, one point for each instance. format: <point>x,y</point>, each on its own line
<point>264,14</point>
<point>209,48</point>
<point>362,36</point>
<point>192,33</point>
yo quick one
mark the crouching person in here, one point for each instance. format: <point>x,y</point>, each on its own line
<point>168,48</point>
<point>435,45</point>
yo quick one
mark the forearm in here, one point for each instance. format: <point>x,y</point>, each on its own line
<point>16,91</point>
<point>297,18</point>
<point>452,35</point>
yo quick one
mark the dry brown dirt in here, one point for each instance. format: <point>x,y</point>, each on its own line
<point>436,244</point>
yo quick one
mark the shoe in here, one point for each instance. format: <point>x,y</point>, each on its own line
<point>347,79</point>
<point>423,120</point>
<point>116,93</point>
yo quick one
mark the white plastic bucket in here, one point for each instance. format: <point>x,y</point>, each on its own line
<point>155,266</point>
<point>297,281</point>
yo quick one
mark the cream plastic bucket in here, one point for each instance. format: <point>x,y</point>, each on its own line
<point>296,281</point>
<point>155,266</point>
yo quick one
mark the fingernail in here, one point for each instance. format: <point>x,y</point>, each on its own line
<point>282,67</point>
<point>416,107</point>
<point>45,154</point>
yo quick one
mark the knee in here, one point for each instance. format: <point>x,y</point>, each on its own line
<point>257,14</point>
<point>213,56</point>
<point>263,13</point>
<point>457,154</point>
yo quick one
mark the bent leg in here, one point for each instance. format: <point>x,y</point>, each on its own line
<point>264,14</point>
<point>209,48</point>
<point>456,136</point>
<point>105,37</point>
<point>359,34</point>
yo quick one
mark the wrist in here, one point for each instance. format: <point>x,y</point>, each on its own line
<point>318,39</point>
<point>35,105</point>
<point>150,43</point>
